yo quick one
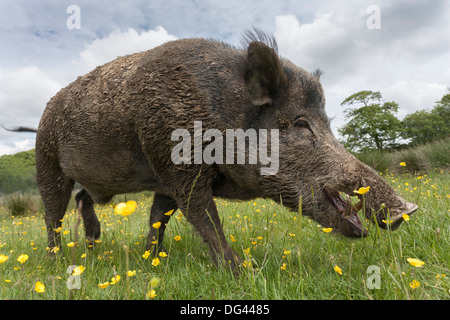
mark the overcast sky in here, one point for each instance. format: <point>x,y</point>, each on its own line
<point>405,53</point>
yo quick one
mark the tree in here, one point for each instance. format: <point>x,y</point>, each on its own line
<point>425,126</point>
<point>372,125</point>
<point>17,172</point>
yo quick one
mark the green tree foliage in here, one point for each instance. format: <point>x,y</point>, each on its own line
<point>371,123</point>
<point>17,172</point>
<point>425,126</point>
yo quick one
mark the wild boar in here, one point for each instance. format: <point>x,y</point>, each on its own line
<point>112,131</point>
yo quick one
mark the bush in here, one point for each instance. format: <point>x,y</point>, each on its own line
<point>426,157</point>
<point>377,159</point>
<point>21,204</point>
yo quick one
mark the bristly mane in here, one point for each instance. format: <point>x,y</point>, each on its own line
<point>257,34</point>
<point>317,73</point>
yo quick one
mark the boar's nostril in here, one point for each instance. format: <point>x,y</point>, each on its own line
<point>412,207</point>
<point>394,221</point>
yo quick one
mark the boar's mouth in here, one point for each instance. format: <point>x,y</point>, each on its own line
<point>349,225</point>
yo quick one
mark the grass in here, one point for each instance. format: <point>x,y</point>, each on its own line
<point>286,255</point>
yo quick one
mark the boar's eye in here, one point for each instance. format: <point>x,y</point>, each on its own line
<point>302,123</point>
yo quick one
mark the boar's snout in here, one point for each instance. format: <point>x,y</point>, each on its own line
<point>381,204</point>
<point>391,218</point>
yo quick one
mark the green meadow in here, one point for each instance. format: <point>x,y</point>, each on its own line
<point>285,255</point>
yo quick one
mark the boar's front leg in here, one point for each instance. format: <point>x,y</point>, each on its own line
<point>162,204</point>
<point>200,210</point>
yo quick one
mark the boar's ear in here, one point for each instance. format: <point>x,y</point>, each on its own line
<point>264,76</point>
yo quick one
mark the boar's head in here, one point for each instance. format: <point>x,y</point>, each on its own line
<point>313,165</point>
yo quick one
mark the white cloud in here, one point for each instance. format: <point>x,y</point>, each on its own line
<point>309,44</point>
<point>398,64</point>
<point>118,43</point>
<point>17,146</point>
<point>413,95</point>
<point>25,92</point>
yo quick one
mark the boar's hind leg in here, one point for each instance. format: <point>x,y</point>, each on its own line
<point>162,204</point>
<point>202,214</point>
<point>55,197</point>
<point>91,224</point>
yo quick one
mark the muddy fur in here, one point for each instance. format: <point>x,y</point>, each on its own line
<point>110,130</point>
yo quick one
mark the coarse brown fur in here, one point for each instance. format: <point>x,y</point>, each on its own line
<point>110,131</point>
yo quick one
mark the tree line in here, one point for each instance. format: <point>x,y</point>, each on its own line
<point>371,123</point>
<point>18,172</point>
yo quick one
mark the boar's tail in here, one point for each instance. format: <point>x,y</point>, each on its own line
<point>21,129</point>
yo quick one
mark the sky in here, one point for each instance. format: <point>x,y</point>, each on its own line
<point>400,48</point>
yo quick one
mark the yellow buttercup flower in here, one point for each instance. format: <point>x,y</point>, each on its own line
<point>125,209</point>
<point>39,287</point>
<point>78,270</point>
<point>156,262</point>
<point>151,294</point>
<point>337,269</point>
<point>168,213</point>
<point>283,266</point>
<point>362,190</point>
<point>414,284</point>
<point>58,230</point>
<point>162,254</point>
<point>71,244</point>
<point>55,249</point>
<point>177,238</point>
<point>3,258</point>
<point>405,217</point>
<point>131,273</point>
<point>22,258</point>
<point>146,254</point>
<point>415,262</point>
<point>115,279</point>
<point>156,225</point>
<point>103,285</point>
<point>403,164</point>
<point>327,230</point>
